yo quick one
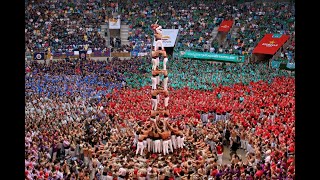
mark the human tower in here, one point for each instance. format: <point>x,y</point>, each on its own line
<point>159,136</point>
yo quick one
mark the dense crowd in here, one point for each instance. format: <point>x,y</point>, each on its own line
<point>197,19</point>
<point>70,134</point>
<point>64,25</point>
<point>82,117</point>
<point>206,75</point>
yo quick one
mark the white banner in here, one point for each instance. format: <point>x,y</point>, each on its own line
<point>169,37</point>
<point>114,23</point>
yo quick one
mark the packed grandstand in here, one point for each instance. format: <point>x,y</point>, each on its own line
<point>85,116</point>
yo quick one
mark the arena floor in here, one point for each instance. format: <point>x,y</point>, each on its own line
<point>226,155</point>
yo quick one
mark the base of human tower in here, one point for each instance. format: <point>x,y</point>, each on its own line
<point>158,136</point>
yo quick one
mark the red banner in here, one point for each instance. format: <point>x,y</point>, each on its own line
<point>270,44</point>
<point>225,25</point>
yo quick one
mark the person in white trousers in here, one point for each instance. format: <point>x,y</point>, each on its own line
<point>174,134</point>
<point>140,146</point>
<point>150,141</point>
<point>165,80</point>
<point>166,100</point>
<point>157,141</point>
<point>165,59</point>
<point>155,56</point>
<point>158,36</point>
<point>154,81</point>
<point>156,78</point>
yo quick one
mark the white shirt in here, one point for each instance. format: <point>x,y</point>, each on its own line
<point>122,171</point>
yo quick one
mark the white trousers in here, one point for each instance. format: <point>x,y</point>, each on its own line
<point>174,141</point>
<point>245,144</point>
<point>220,158</point>
<point>154,63</point>
<point>157,146</point>
<point>86,160</point>
<point>158,79</point>
<point>140,148</point>
<point>157,62</point>
<point>54,156</point>
<point>242,144</point>
<point>165,83</point>
<point>170,145</point>
<point>165,144</point>
<point>180,142</point>
<point>166,101</point>
<point>145,143</point>
<point>149,144</point>
<point>154,82</point>
<point>154,103</point>
<point>165,60</point>
<point>109,178</point>
<point>66,152</point>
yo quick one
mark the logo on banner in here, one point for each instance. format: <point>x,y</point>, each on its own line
<point>225,26</point>
<point>165,37</point>
<point>270,44</point>
<point>38,56</point>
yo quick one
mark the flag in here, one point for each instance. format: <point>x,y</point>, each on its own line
<point>82,55</point>
<point>38,56</point>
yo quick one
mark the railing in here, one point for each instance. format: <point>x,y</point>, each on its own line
<point>93,54</point>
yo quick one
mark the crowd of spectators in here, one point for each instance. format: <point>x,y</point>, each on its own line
<point>75,111</point>
<point>206,75</point>
<point>196,21</point>
<point>81,116</point>
<point>255,20</point>
<point>65,25</point>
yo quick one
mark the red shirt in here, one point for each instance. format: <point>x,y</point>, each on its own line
<point>259,173</point>
<point>219,149</point>
<point>177,170</point>
<point>214,172</point>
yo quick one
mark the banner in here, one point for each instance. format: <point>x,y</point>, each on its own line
<point>169,37</point>
<point>270,44</point>
<point>83,55</point>
<point>212,56</point>
<point>38,56</point>
<point>114,23</point>
<point>225,25</point>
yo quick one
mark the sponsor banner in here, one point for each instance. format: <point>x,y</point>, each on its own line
<point>38,56</point>
<point>120,54</point>
<point>225,25</point>
<point>82,55</point>
<point>70,53</point>
<point>270,44</point>
<point>101,54</point>
<point>169,37</point>
<point>212,56</point>
<point>114,23</point>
